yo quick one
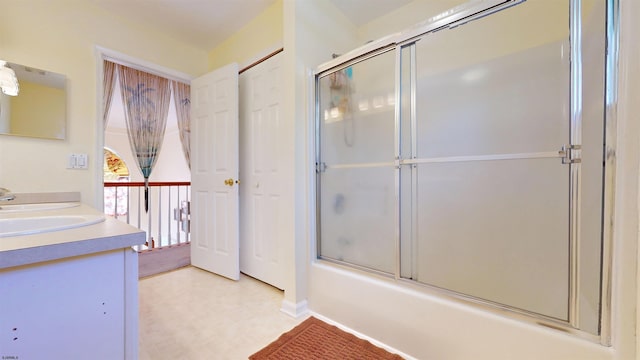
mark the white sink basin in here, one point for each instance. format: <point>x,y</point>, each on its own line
<point>9,208</point>
<point>42,224</point>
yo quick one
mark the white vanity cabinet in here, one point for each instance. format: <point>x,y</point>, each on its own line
<point>76,308</point>
<point>70,294</point>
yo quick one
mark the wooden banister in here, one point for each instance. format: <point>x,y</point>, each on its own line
<point>141,183</point>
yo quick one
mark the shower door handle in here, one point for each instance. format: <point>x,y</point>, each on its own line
<point>566,154</point>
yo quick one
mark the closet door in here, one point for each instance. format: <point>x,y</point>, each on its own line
<point>264,187</point>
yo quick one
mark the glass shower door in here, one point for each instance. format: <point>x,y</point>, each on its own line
<point>483,175</point>
<point>356,170</point>
<point>469,159</point>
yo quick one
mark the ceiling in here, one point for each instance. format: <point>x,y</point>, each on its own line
<point>206,23</point>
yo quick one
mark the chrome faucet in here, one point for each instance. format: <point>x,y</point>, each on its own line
<point>6,195</point>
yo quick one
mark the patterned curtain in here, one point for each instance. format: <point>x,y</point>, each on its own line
<point>107,94</point>
<point>146,100</point>
<point>182,100</point>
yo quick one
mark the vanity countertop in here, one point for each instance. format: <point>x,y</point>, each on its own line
<point>110,234</point>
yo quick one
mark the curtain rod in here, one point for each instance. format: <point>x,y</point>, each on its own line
<point>257,62</point>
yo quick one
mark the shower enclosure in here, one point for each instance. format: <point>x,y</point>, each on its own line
<point>466,155</point>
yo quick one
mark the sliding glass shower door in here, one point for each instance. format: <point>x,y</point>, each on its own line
<point>357,187</point>
<point>469,159</point>
<point>491,195</point>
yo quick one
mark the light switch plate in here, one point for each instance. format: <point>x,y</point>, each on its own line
<point>78,161</point>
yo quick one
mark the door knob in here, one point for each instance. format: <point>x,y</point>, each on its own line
<point>228,182</point>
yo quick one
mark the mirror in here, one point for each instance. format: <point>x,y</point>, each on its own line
<point>40,109</point>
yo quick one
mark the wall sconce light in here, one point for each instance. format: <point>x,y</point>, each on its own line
<point>8,80</point>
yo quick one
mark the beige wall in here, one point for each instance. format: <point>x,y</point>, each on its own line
<point>62,37</point>
<point>403,17</point>
<point>255,40</point>
<point>313,31</point>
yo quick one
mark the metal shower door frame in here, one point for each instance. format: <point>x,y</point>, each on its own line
<point>569,154</point>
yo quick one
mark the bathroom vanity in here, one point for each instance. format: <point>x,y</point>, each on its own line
<point>68,289</point>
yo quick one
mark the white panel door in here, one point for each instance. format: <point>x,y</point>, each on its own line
<point>214,172</point>
<point>263,187</point>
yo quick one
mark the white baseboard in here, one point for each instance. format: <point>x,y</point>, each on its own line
<point>361,336</point>
<point>295,310</point>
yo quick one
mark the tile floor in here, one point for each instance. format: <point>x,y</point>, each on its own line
<point>193,314</point>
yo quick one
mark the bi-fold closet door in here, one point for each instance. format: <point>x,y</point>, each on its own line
<point>264,194</point>
<point>456,159</point>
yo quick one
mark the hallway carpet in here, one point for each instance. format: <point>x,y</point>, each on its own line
<point>314,339</point>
